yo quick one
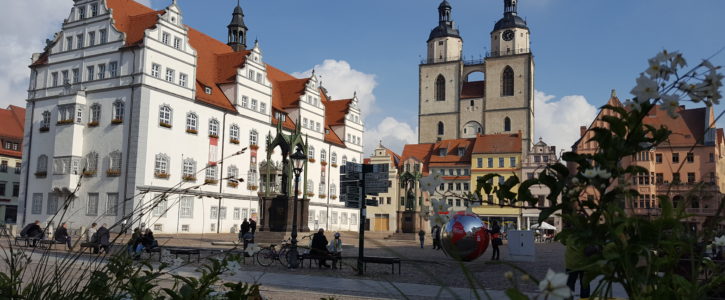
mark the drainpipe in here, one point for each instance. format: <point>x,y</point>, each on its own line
<point>128,138</point>
<point>26,165</point>
<point>219,174</point>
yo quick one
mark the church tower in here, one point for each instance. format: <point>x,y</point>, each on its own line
<point>509,69</point>
<point>237,30</point>
<point>439,80</point>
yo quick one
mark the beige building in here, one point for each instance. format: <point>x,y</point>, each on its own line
<point>453,106</point>
<point>382,218</point>
<point>12,120</point>
<point>532,164</point>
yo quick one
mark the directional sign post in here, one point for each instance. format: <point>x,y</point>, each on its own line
<point>356,182</point>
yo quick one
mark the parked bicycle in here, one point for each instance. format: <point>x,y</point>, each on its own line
<point>267,255</point>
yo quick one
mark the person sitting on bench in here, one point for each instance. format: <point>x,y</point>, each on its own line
<point>319,248</point>
<point>61,236</point>
<point>147,242</point>
<point>90,232</point>
<point>32,232</point>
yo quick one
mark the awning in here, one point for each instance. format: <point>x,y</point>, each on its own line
<point>544,225</point>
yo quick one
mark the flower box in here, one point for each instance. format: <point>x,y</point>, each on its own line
<point>310,194</point>
<point>161,175</point>
<point>333,197</point>
<point>44,129</point>
<point>89,173</point>
<point>232,184</point>
<point>192,131</point>
<point>210,181</point>
<point>334,165</point>
<point>312,160</point>
<point>323,163</point>
<point>41,174</point>
<point>323,196</point>
<point>65,122</point>
<point>252,187</point>
<point>166,125</point>
<point>254,146</point>
<point>113,173</point>
<point>116,121</point>
<point>93,124</point>
<point>214,136</point>
<point>188,178</point>
<point>234,141</point>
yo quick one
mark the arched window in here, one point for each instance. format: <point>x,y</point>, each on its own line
<point>115,163</point>
<point>507,82</point>
<point>322,189</point>
<point>440,89</point>
<point>234,133</point>
<point>192,123</point>
<point>507,124</point>
<point>161,166</point>
<point>333,158</point>
<point>232,172</point>
<point>213,128</point>
<point>344,160</point>
<point>189,171</point>
<point>333,189</point>
<point>42,164</point>
<point>310,186</point>
<point>441,128</point>
<point>165,116</point>
<point>310,152</point>
<point>117,113</point>
<point>253,137</point>
<point>91,164</point>
<point>95,114</point>
<point>323,155</point>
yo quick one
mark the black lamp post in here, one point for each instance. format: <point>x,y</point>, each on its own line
<point>298,160</point>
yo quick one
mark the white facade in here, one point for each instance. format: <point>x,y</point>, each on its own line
<point>152,134</point>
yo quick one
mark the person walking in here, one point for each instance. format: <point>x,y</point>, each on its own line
<point>91,232</point>
<point>253,225</point>
<point>319,248</point>
<point>421,236</point>
<point>102,239</point>
<point>61,236</point>
<point>496,241</point>
<point>436,237</point>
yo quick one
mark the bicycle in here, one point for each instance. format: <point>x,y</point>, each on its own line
<point>267,255</point>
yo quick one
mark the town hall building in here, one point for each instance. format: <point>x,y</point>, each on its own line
<point>135,118</point>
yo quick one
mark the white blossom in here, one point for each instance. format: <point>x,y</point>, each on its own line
<point>233,267</point>
<point>670,103</point>
<point>252,249</point>
<point>508,275</point>
<point>720,241</point>
<point>646,89</point>
<point>554,287</point>
<point>430,183</point>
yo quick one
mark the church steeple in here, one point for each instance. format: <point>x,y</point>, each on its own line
<point>509,7</point>
<point>237,30</point>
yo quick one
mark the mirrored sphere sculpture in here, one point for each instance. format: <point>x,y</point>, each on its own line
<point>464,237</point>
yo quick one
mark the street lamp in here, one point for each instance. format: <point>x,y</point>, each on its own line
<point>298,160</point>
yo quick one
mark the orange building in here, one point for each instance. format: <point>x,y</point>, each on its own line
<point>688,167</point>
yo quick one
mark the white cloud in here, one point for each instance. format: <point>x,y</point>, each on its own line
<point>558,122</point>
<point>22,35</point>
<point>342,81</point>
<point>392,133</point>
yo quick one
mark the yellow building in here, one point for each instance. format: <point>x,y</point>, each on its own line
<point>497,154</point>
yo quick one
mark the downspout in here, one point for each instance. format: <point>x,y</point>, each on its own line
<point>220,170</point>
<point>128,138</point>
<point>28,156</point>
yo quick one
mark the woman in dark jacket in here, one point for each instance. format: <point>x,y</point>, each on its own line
<point>133,241</point>
<point>319,247</point>
<point>495,233</point>
<point>147,241</point>
<point>102,239</point>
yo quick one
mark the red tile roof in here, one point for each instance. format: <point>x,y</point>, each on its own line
<point>420,152</point>
<point>452,157</point>
<point>133,19</point>
<point>12,122</point>
<point>473,89</point>
<point>498,143</point>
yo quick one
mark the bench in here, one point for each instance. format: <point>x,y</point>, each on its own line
<point>50,244</point>
<point>187,252</point>
<point>392,261</point>
<point>90,246</point>
<point>335,258</point>
<point>151,251</point>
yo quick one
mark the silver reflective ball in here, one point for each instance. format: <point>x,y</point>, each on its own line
<point>464,237</point>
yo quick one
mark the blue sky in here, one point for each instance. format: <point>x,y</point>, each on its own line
<point>582,49</point>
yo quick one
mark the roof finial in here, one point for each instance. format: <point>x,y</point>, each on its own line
<point>354,94</point>
<point>614,93</point>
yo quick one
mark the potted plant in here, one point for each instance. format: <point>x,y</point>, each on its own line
<point>192,131</point>
<point>334,165</point>
<point>323,196</point>
<point>333,197</point>
<point>188,178</point>
<point>164,124</point>
<point>213,136</point>
<point>116,121</point>
<point>234,141</point>
<point>254,146</point>
<point>323,163</point>
<point>89,173</point>
<point>162,175</point>
<point>65,122</point>
<point>232,184</point>
<point>113,173</point>
<point>312,160</point>
<point>210,181</point>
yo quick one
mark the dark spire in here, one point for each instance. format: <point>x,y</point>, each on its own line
<point>445,23</point>
<point>237,30</point>
<point>510,18</point>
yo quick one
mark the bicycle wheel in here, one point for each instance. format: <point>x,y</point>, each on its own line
<point>282,255</point>
<point>265,257</point>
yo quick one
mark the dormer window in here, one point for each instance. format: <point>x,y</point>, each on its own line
<point>81,12</point>
<point>94,9</point>
<point>461,151</point>
<point>442,152</point>
<point>207,90</point>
